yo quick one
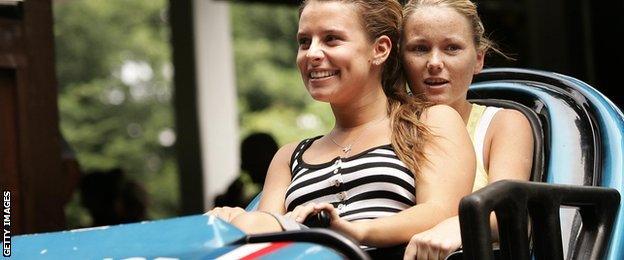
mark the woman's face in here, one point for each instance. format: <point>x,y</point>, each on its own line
<point>334,55</point>
<point>439,54</point>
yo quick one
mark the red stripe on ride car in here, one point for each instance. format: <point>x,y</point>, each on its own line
<point>267,250</point>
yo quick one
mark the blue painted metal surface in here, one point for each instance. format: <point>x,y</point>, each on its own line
<point>163,238</point>
<point>253,205</point>
<point>192,237</point>
<point>611,125</point>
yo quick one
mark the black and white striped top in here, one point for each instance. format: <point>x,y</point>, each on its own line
<point>371,184</point>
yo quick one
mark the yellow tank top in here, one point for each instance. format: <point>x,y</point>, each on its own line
<point>478,123</point>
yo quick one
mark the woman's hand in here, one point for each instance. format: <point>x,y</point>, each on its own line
<point>301,212</point>
<point>226,213</point>
<point>355,230</point>
<point>435,243</point>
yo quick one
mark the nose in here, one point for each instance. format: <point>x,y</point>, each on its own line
<point>315,52</point>
<point>435,63</point>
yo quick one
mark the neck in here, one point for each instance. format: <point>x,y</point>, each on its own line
<point>371,108</point>
<point>463,107</point>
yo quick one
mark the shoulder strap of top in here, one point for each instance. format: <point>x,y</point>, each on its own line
<point>475,114</point>
<point>300,149</point>
<point>480,119</point>
<point>481,129</point>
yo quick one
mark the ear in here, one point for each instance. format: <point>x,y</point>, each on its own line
<point>480,60</point>
<point>381,49</point>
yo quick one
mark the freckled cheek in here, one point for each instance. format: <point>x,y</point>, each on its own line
<point>459,68</point>
<point>417,70</point>
<point>412,71</point>
<point>415,82</point>
<point>464,64</point>
<point>416,64</point>
<point>462,79</point>
<point>409,65</point>
<point>408,62</point>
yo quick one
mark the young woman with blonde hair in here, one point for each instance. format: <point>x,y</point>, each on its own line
<point>443,47</point>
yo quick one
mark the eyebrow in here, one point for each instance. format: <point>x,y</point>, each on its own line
<point>451,38</point>
<point>454,38</point>
<point>334,31</point>
<point>414,40</point>
<point>325,32</point>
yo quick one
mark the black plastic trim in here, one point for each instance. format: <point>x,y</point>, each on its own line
<point>512,199</point>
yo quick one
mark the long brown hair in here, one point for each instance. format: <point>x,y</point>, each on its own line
<point>384,17</point>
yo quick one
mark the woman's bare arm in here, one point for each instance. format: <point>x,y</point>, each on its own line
<point>510,155</point>
<point>276,183</point>
<point>277,180</point>
<point>444,179</point>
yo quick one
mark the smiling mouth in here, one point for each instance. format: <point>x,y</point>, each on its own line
<point>322,74</point>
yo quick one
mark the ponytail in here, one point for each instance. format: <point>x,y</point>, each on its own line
<point>409,134</point>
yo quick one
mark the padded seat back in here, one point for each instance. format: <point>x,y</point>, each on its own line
<point>582,144</point>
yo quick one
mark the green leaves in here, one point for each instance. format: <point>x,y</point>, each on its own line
<point>272,97</point>
<point>113,63</point>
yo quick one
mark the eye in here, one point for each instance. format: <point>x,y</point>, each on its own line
<point>418,48</point>
<point>453,48</point>
<point>331,39</point>
<point>422,48</point>
<point>304,43</point>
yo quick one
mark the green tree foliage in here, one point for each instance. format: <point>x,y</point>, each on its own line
<point>114,72</point>
<point>272,97</point>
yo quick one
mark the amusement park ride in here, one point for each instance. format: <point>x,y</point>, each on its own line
<point>578,165</point>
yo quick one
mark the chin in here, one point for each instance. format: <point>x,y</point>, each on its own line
<point>321,98</point>
<point>437,99</point>
<point>319,95</point>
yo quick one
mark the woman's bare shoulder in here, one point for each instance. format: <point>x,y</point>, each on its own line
<point>510,121</point>
<point>286,151</point>
<point>442,116</point>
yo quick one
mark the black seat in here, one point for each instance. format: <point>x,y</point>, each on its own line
<point>576,123</point>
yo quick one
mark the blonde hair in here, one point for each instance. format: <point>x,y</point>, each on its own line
<point>466,8</point>
<point>385,17</point>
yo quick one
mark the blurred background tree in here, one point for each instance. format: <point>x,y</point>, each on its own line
<point>272,97</point>
<point>114,71</point>
<point>113,63</point>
